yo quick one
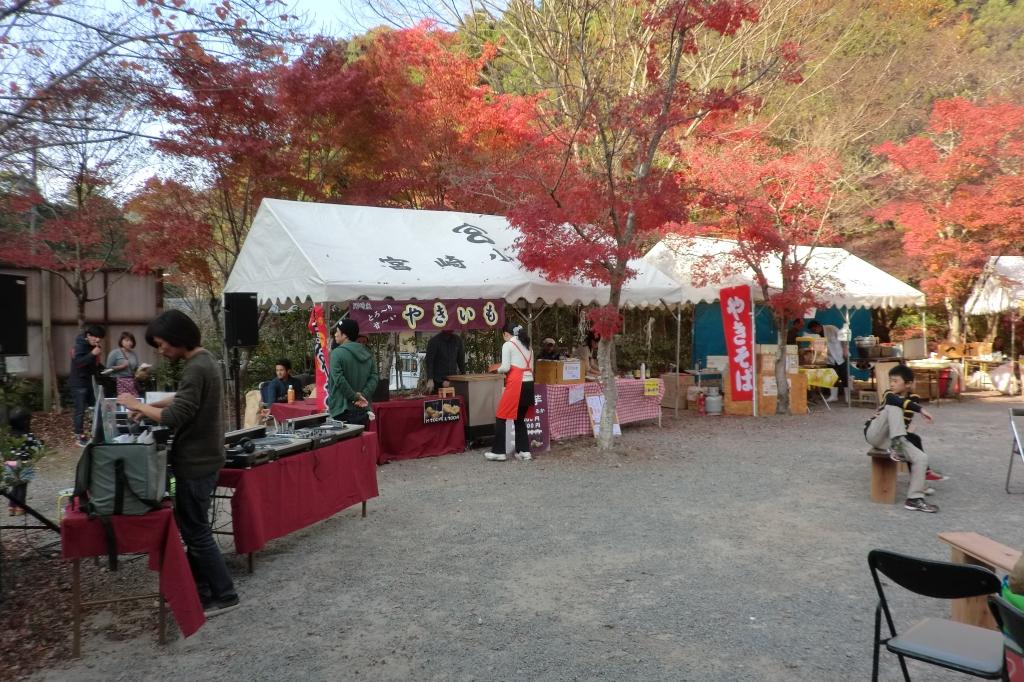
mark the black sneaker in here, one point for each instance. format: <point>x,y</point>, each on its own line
<point>918,504</point>
<point>219,606</point>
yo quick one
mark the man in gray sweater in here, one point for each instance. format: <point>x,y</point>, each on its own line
<point>195,416</point>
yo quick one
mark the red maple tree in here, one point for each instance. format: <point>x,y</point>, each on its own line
<point>958,186</point>
<point>775,208</point>
<point>618,109</point>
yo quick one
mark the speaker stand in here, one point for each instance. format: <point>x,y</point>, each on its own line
<point>235,372</point>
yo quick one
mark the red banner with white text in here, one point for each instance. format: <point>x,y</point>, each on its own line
<point>321,348</point>
<point>738,323</point>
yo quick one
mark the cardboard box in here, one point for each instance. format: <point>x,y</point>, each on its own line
<point>951,350</point>
<point>554,372</point>
<point>767,392</point>
<point>915,349</point>
<point>676,383</point>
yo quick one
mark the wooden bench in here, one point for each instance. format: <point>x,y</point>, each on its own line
<point>883,477</point>
<point>976,549</point>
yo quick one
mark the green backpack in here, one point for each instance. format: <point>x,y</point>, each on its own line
<point>120,478</point>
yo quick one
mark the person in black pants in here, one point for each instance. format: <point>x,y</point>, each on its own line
<point>517,399</point>
<point>85,364</point>
<point>195,414</point>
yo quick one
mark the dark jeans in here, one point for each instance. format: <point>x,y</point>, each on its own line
<point>841,371</point>
<point>192,512</point>
<point>18,493</point>
<point>522,443</point>
<point>82,398</point>
<point>354,415</point>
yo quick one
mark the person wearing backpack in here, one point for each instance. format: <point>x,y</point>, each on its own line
<point>195,416</point>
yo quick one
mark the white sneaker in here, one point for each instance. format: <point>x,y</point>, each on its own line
<point>524,456</point>
<point>929,491</point>
<point>494,457</point>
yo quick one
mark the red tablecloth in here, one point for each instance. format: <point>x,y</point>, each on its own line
<point>403,435</point>
<point>568,421</point>
<point>155,534</point>
<point>300,408</point>
<point>273,500</point>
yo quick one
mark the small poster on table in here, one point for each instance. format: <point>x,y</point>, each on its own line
<point>650,388</point>
<point>442,410</point>
<point>575,394</point>
<point>571,370</point>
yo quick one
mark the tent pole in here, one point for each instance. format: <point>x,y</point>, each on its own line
<point>753,335</point>
<point>1013,343</point>
<point>849,377</point>
<point>678,314</point>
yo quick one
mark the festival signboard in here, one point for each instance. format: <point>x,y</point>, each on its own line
<point>537,426</point>
<point>738,322</point>
<point>441,410</point>
<point>321,348</point>
<point>436,315</point>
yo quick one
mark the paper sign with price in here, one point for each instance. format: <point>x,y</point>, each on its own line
<point>651,388</point>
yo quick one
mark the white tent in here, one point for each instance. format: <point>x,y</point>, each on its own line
<point>1000,287</point>
<point>299,251</point>
<point>849,281</point>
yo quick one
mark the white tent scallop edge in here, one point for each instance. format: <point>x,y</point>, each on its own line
<point>849,281</point>
<point>299,251</point>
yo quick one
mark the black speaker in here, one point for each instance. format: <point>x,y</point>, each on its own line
<point>14,329</point>
<point>241,320</point>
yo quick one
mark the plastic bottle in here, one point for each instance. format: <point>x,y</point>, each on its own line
<point>291,394</point>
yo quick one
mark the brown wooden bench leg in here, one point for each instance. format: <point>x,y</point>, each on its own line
<point>883,480</point>
<point>972,610</point>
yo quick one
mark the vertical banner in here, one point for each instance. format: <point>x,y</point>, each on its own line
<point>738,323</point>
<point>537,426</point>
<point>318,328</point>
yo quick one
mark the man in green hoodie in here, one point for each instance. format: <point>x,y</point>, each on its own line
<point>353,376</point>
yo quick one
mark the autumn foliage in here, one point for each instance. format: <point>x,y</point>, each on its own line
<point>959,186</point>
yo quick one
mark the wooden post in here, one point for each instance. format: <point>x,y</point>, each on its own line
<point>972,610</point>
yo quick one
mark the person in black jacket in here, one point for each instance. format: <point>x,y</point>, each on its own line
<point>446,355</point>
<point>85,364</point>
<point>276,390</point>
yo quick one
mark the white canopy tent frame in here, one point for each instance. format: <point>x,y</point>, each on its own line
<point>1000,289</point>
<point>849,282</point>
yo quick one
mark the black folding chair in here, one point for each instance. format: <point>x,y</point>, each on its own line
<point>1011,621</point>
<point>956,646</point>
<point>1016,449</point>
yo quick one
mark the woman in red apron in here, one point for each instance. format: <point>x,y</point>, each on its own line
<point>517,399</point>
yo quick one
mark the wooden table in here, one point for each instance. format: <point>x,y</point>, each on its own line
<point>978,550</point>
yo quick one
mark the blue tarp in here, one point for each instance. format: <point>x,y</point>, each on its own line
<point>709,338</point>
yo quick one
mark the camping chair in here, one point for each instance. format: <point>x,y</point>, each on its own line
<point>1016,450</point>
<point>955,646</point>
<point>1011,621</point>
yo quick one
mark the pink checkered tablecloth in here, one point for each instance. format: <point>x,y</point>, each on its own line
<point>569,421</point>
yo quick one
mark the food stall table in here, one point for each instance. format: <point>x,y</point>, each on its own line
<point>568,421</point>
<point>272,500</point>
<point>819,377</point>
<point>403,435</point>
<point>155,534</point>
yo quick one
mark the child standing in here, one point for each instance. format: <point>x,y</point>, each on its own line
<point>888,430</point>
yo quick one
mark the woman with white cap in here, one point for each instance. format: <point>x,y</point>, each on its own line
<point>517,399</point>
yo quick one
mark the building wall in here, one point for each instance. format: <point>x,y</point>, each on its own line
<point>133,300</point>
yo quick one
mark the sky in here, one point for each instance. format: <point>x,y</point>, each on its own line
<point>340,18</point>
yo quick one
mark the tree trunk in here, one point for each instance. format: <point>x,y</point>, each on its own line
<point>606,358</point>
<point>956,321</point>
<point>781,375</point>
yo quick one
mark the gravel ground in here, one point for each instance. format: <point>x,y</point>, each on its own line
<point>710,549</point>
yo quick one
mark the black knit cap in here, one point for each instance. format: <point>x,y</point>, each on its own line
<point>349,328</point>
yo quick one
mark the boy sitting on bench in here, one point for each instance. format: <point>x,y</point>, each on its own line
<point>887,430</point>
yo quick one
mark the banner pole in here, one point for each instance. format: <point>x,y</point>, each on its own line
<point>753,346</point>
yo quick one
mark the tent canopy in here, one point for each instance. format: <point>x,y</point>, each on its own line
<point>848,281</point>
<point>1000,287</point>
<point>298,251</point>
